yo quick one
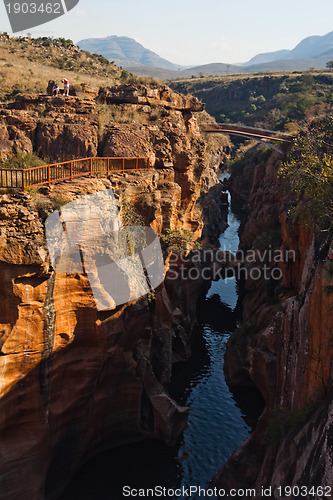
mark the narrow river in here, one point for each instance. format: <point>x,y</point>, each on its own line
<point>218,422</point>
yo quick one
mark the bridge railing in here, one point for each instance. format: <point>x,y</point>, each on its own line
<point>56,172</point>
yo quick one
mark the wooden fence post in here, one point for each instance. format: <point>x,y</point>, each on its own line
<point>49,175</point>
<point>23,187</point>
<point>137,164</point>
<point>91,164</point>
<point>71,170</point>
<point>108,167</point>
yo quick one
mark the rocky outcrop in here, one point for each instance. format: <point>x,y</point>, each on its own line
<point>56,128</point>
<point>154,121</point>
<point>13,140</point>
<point>75,380</point>
<point>284,345</point>
<point>150,96</point>
<point>168,145</point>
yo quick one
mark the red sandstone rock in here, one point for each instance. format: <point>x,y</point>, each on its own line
<point>75,381</point>
<point>286,350</point>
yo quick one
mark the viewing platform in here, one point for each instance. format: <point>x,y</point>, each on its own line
<point>68,170</point>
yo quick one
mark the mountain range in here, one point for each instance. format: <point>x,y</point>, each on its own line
<point>310,47</point>
<point>126,52</point>
<point>312,52</point>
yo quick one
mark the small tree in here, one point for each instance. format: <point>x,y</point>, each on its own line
<point>329,65</point>
<point>178,240</point>
<point>309,170</point>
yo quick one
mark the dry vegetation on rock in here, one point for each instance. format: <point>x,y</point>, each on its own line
<point>36,61</point>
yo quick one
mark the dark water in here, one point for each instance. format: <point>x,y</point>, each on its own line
<point>218,422</point>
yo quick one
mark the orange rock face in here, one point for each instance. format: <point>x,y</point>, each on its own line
<point>75,380</point>
<point>284,346</point>
<point>54,127</point>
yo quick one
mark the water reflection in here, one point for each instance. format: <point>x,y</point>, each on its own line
<point>216,422</point>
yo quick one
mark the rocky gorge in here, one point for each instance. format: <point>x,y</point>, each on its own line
<point>75,380</point>
<point>284,344</point>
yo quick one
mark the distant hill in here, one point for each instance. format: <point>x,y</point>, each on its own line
<point>318,62</point>
<point>214,69</point>
<point>309,48</point>
<point>126,52</point>
<point>204,70</point>
<point>267,57</point>
<point>312,46</point>
<point>219,69</point>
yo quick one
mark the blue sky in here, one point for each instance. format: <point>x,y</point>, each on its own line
<point>191,32</point>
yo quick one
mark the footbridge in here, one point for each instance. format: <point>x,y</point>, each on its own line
<point>257,134</point>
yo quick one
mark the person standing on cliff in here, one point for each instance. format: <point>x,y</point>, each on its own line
<point>66,86</point>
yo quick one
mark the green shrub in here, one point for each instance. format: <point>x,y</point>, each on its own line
<point>130,215</point>
<point>236,165</point>
<point>124,74</point>
<point>264,154</point>
<point>309,171</point>
<point>281,419</point>
<point>22,160</point>
<point>178,240</point>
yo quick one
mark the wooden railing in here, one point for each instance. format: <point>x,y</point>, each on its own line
<point>57,172</point>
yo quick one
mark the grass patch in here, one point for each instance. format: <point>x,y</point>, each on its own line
<point>130,216</point>
<point>59,200</point>
<point>39,60</point>
<point>125,113</point>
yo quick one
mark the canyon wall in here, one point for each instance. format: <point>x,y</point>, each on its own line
<point>75,380</point>
<point>284,345</point>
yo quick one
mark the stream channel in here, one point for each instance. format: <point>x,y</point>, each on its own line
<point>219,420</point>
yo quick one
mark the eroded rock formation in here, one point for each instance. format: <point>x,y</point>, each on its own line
<point>53,127</point>
<point>75,380</point>
<point>284,345</point>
